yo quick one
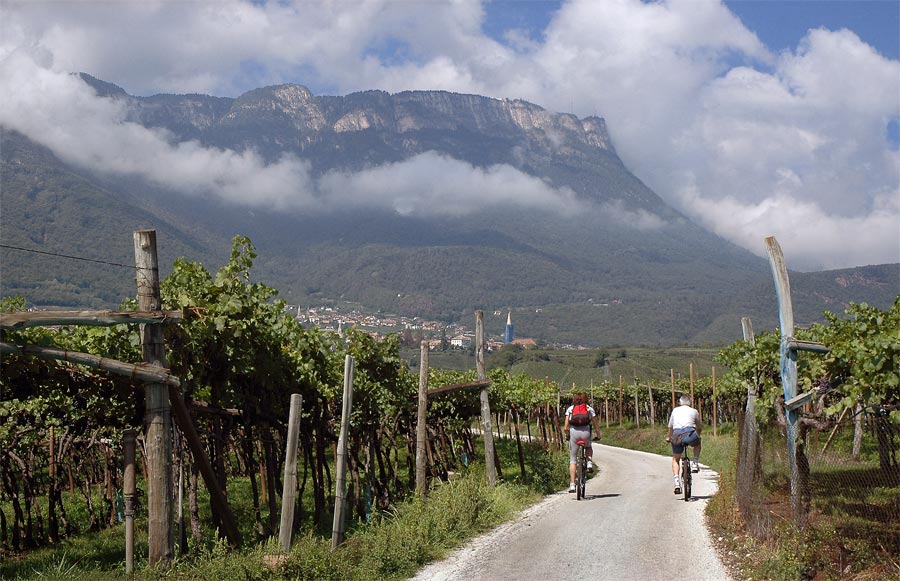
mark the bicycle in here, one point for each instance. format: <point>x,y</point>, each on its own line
<point>581,470</point>
<point>686,474</point>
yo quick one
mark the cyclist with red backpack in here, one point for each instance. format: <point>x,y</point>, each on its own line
<point>579,418</point>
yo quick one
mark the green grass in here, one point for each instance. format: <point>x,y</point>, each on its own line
<point>393,545</point>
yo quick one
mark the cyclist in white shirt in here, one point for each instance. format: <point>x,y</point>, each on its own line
<point>684,430</point>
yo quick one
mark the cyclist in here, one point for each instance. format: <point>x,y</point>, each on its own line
<point>579,417</point>
<point>684,430</point>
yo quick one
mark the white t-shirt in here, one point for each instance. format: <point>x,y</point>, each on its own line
<point>684,416</point>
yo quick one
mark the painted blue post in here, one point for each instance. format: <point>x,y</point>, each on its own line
<point>788,360</point>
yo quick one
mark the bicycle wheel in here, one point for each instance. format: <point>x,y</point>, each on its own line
<point>584,477</point>
<point>579,475</point>
<point>686,478</point>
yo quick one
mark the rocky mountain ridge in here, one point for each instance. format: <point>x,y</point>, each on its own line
<point>670,280</point>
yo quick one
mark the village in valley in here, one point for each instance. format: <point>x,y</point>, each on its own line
<point>412,330</point>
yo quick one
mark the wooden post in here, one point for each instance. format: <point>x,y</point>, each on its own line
<point>129,494</point>
<point>693,403</point>
<point>715,402</point>
<point>621,391</point>
<point>289,490</point>
<point>52,490</point>
<point>672,372</point>
<point>788,360</point>
<point>637,419</point>
<point>158,417</point>
<point>490,470</point>
<point>606,410</point>
<point>337,530</point>
<point>652,411</point>
<point>421,426</point>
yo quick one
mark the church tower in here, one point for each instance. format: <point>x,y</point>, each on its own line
<point>508,331</point>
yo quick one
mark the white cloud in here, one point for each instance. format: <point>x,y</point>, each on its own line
<point>698,107</point>
<point>63,113</point>
<point>433,184</point>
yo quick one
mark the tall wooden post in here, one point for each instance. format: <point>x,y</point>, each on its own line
<point>715,402</point>
<point>672,371</point>
<point>637,418</point>
<point>289,490</point>
<point>52,489</point>
<point>129,491</point>
<point>621,393</point>
<point>490,470</point>
<point>652,411</point>
<point>158,417</point>
<point>693,403</point>
<point>421,426</point>
<point>606,411</point>
<point>340,496</point>
<point>748,450</point>
<point>788,359</point>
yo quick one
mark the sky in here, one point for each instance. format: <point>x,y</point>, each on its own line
<point>754,118</point>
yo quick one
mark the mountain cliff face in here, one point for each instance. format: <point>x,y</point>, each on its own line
<point>624,268</point>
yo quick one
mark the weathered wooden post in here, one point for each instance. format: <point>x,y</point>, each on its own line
<point>606,411</point>
<point>637,418</point>
<point>52,488</point>
<point>652,410</point>
<point>748,450</point>
<point>337,530</point>
<point>694,403</point>
<point>621,394</point>
<point>158,417</point>
<point>788,360</point>
<point>672,372</point>
<point>788,357</point>
<point>289,490</point>
<point>490,470</point>
<point>129,491</point>
<point>421,425</point>
<point>715,402</point>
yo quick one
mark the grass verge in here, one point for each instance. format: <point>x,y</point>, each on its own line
<point>394,545</point>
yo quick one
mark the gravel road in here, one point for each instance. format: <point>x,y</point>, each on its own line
<point>630,526</point>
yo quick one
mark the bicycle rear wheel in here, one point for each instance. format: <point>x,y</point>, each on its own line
<point>686,478</point>
<point>580,475</point>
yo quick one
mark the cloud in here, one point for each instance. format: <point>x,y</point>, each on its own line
<point>698,107</point>
<point>434,184</point>
<point>63,113</point>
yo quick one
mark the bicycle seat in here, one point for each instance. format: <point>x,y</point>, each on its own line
<point>581,443</point>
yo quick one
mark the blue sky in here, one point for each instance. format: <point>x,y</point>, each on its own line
<point>754,118</point>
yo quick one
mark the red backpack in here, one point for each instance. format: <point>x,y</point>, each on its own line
<point>580,415</point>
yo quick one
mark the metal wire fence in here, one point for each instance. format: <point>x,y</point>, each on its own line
<point>848,484</point>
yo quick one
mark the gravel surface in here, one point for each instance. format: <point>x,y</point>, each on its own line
<point>630,526</point>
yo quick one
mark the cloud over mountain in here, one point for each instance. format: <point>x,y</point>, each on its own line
<point>745,141</point>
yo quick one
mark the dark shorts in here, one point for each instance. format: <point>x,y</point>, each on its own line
<point>688,436</point>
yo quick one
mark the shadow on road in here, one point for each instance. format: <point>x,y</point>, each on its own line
<point>593,496</point>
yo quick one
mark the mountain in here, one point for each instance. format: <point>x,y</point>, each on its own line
<point>601,260</point>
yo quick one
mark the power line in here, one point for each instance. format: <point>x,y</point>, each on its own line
<point>131,266</point>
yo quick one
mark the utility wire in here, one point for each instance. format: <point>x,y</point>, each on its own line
<point>131,266</point>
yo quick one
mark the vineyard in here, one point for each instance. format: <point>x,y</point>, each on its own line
<point>239,356</point>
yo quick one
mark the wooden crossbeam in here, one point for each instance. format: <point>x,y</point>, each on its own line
<point>796,402</point>
<point>25,319</point>
<point>140,371</point>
